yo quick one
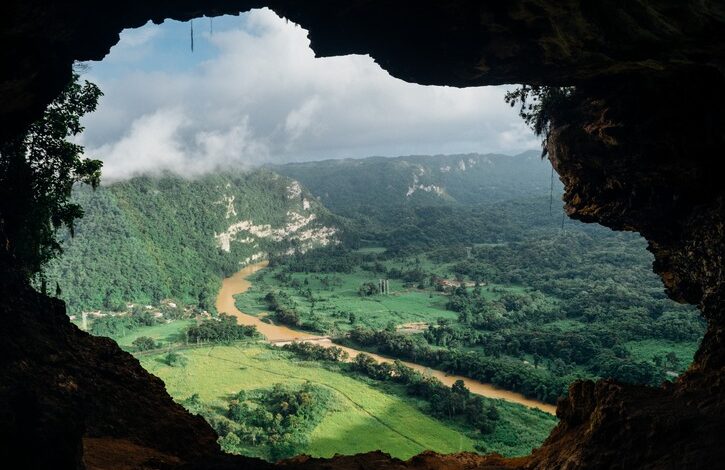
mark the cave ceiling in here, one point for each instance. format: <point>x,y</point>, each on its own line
<point>457,43</point>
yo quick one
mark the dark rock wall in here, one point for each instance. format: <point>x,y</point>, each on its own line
<point>643,153</point>
<point>638,146</point>
<point>59,384</point>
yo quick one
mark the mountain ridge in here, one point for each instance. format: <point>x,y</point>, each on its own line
<point>344,185</point>
<point>176,238</point>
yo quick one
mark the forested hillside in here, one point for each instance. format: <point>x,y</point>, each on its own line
<point>152,238</point>
<point>427,200</point>
<point>349,186</point>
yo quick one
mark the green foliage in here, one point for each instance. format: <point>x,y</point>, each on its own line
<point>500,291</point>
<point>283,308</point>
<point>455,402</point>
<point>379,415</point>
<point>376,187</point>
<point>120,325</point>
<point>38,170</point>
<point>144,343</point>
<point>448,402</point>
<point>272,423</point>
<point>323,260</point>
<point>164,333</point>
<point>153,238</point>
<point>315,352</point>
<point>223,329</point>
<point>473,203</point>
<point>367,289</point>
<point>540,105</point>
<point>174,359</point>
<point>503,372</point>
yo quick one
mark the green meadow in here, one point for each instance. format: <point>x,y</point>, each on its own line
<point>336,296</point>
<point>364,419</point>
<point>367,415</point>
<point>647,349</point>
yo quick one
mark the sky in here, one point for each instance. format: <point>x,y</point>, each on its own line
<point>252,92</point>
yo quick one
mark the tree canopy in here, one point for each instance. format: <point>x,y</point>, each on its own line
<point>38,170</point>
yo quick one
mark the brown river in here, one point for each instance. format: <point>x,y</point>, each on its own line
<point>239,283</point>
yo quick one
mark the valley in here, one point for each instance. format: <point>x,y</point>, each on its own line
<point>279,335</point>
<point>450,289</point>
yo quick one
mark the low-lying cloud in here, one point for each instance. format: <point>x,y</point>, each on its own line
<point>263,97</point>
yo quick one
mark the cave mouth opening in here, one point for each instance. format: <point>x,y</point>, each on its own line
<point>297,123</point>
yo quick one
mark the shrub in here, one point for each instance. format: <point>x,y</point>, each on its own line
<point>174,359</point>
<point>144,343</point>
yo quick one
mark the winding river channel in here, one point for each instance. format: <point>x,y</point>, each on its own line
<point>239,283</point>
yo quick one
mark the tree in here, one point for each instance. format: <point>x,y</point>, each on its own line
<point>672,359</point>
<point>539,106</point>
<point>367,289</point>
<point>174,359</point>
<point>144,343</point>
<point>38,170</point>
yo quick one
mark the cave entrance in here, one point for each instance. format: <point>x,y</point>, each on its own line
<point>458,262</point>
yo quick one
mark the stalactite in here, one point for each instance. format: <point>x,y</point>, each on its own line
<point>191,31</point>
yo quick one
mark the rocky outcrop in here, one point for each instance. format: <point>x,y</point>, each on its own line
<point>642,155</point>
<point>59,384</point>
<point>637,147</point>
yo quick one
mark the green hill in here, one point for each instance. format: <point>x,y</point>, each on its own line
<point>346,186</point>
<point>152,238</point>
<point>435,200</point>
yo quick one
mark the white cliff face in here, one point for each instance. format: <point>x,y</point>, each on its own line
<point>260,255</point>
<point>228,201</point>
<point>294,190</point>
<point>230,207</point>
<point>429,188</point>
<point>292,230</point>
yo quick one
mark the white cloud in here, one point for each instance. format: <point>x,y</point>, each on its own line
<point>300,119</point>
<point>264,97</point>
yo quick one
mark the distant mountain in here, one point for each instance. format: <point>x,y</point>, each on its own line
<point>434,200</point>
<point>151,238</point>
<point>344,186</point>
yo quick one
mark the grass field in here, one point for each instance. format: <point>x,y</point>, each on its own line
<point>336,296</point>
<point>366,419</point>
<point>644,350</point>
<point>334,302</point>
<point>164,333</point>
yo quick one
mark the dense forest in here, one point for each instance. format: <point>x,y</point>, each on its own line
<point>154,238</point>
<point>268,423</point>
<point>429,200</point>
<point>530,314</point>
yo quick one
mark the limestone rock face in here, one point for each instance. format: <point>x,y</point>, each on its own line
<point>638,148</point>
